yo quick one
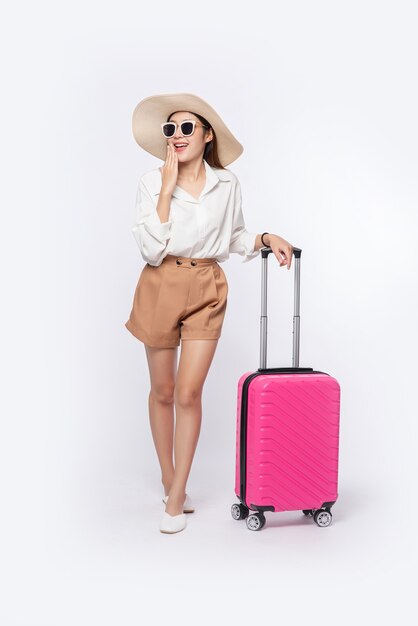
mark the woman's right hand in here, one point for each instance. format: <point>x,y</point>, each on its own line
<point>169,171</point>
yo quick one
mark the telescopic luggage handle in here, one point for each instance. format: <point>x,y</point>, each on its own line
<point>263,319</point>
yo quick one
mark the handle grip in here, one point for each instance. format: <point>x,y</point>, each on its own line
<point>297,252</point>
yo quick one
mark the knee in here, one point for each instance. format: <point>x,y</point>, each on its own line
<point>186,396</point>
<point>164,394</point>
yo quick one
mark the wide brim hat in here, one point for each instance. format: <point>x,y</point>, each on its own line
<point>151,112</point>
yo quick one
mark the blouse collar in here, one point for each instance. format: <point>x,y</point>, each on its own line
<point>212,179</point>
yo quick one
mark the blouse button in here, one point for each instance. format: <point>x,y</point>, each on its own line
<point>178,262</point>
<point>194,262</point>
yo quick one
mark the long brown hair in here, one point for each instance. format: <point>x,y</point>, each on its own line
<point>211,149</point>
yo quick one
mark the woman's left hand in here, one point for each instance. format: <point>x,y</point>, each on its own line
<point>282,249</point>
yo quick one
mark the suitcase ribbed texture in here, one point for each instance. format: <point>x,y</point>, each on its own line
<point>292,440</point>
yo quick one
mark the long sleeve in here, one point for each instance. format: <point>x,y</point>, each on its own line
<point>242,242</point>
<point>151,235</point>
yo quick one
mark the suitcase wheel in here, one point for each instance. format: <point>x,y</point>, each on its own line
<point>322,517</point>
<point>239,511</point>
<point>256,521</point>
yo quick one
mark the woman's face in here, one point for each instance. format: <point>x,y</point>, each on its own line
<point>195,143</point>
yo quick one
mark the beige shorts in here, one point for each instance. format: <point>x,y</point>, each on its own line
<point>183,298</point>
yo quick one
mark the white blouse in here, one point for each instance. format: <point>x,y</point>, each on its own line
<point>212,226</point>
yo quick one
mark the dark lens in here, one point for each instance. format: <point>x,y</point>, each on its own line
<point>187,128</point>
<point>169,129</point>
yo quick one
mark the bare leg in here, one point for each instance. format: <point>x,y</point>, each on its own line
<point>162,363</point>
<point>195,360</point>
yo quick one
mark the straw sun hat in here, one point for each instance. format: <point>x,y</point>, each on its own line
<point>151,112</point>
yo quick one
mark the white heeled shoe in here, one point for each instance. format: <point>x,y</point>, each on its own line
<point>173,523</point>
<point>187,506</point>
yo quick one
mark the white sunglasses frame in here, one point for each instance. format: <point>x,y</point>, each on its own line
<point>179,125</point>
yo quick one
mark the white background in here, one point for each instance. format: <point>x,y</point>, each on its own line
<point>323,96</point>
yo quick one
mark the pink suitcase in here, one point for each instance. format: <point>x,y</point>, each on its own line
<point>287,433</point>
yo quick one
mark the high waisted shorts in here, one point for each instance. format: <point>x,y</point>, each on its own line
<point>182,298</point>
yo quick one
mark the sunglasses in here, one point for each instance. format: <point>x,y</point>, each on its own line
<point>187,128</point>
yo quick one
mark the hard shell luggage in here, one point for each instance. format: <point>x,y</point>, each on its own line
<point>287,431</point>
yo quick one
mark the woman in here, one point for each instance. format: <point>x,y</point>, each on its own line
<point>189,218</point>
